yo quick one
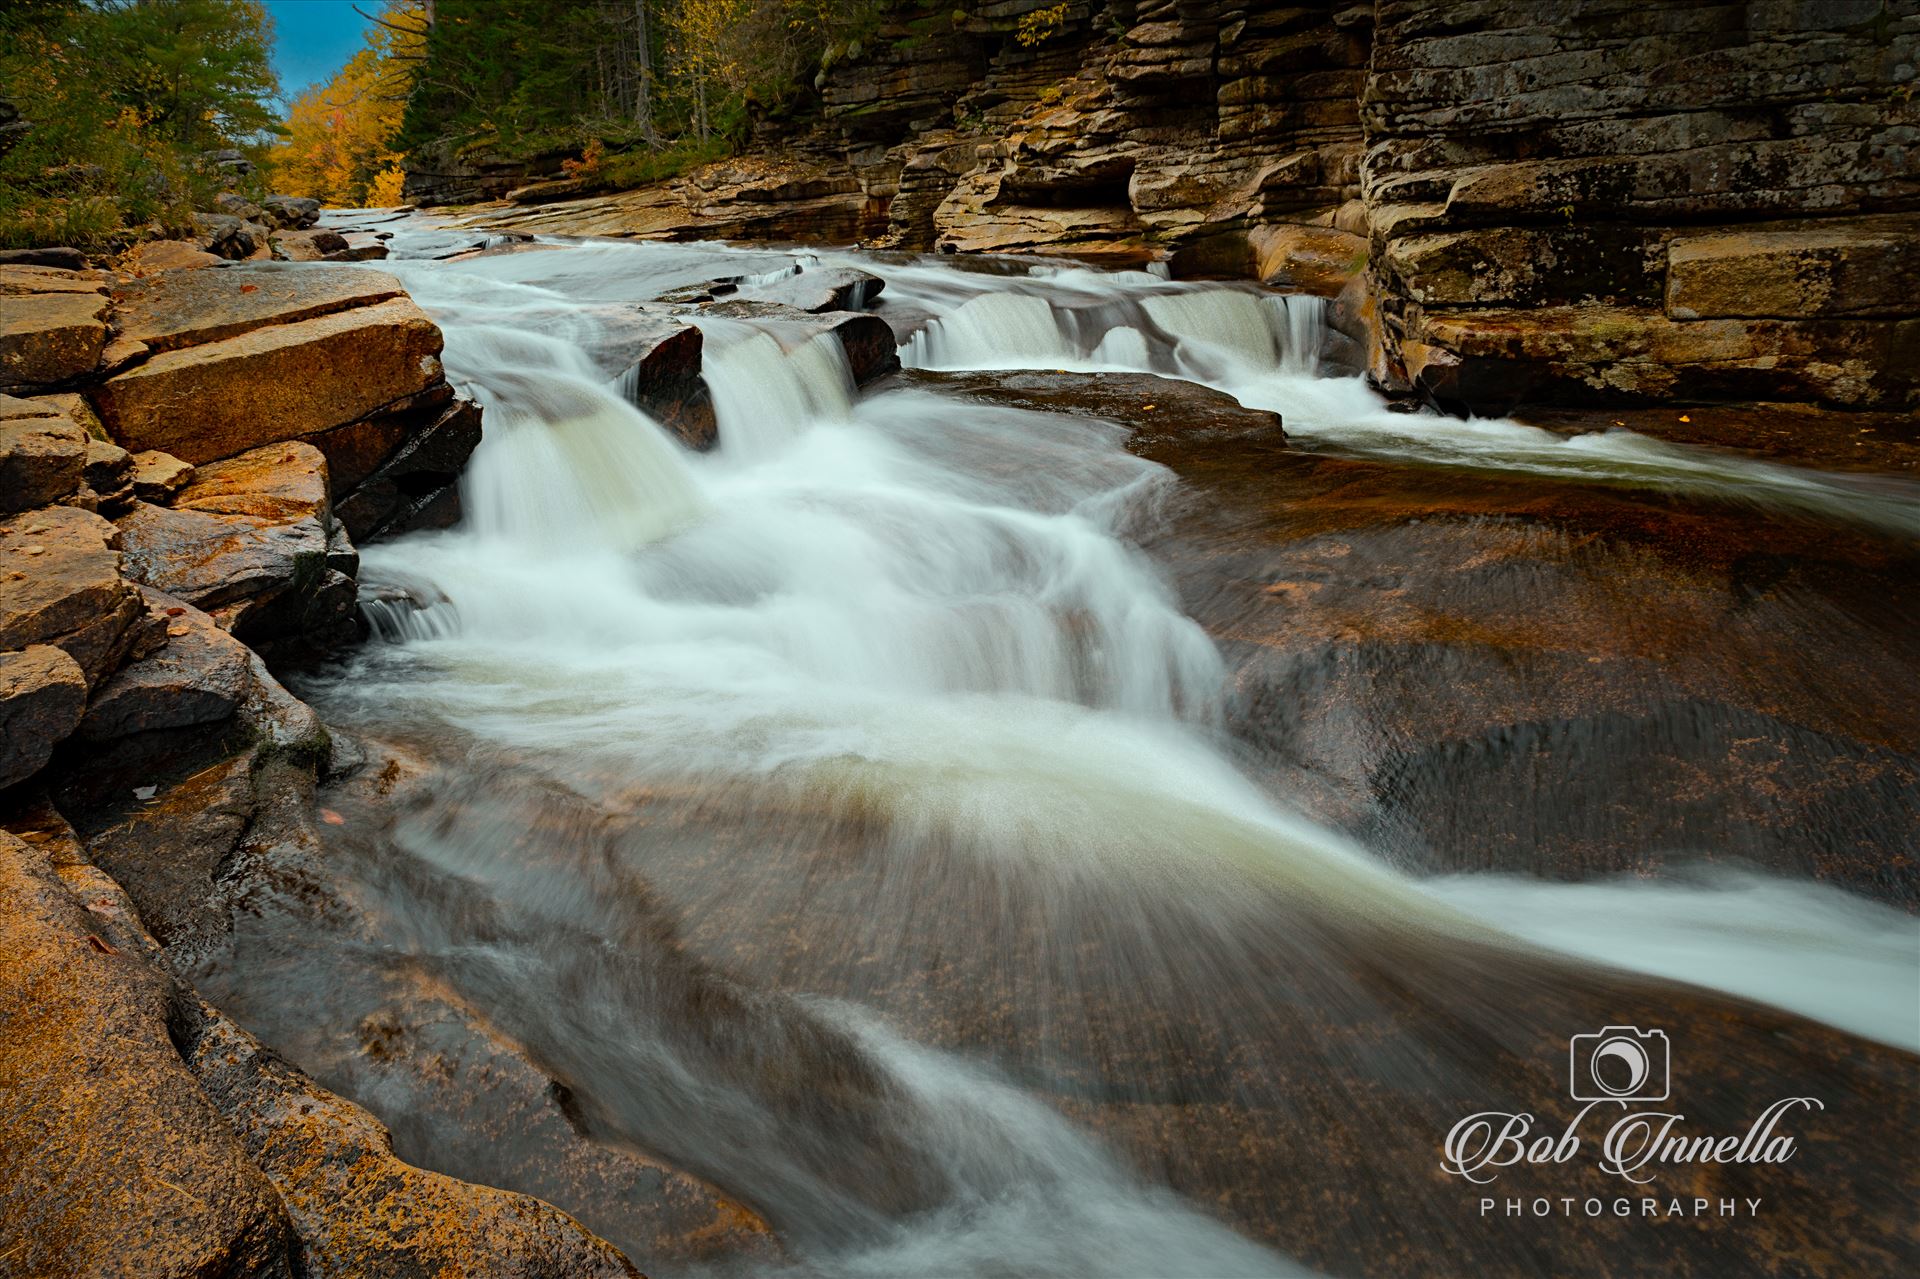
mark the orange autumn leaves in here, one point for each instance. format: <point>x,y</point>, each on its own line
<point>338,146</point>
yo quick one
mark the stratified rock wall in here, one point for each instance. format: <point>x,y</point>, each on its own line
<point>1603,198</point>
<point>1547,201</point>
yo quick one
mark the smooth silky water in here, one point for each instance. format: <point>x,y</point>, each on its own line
<point>877,711</point>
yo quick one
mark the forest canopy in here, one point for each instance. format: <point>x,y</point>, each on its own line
<point>119,118</point>
<point>116,112</point>
<point>635,88</point>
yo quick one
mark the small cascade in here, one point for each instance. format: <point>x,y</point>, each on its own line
<point>903,635</point>
<point>1217,329</point>
<point>991,331</point>
<point>568,462</point>
<point>765,396</point>
<point>1123,348</point>
<point>1301,328</point>
<point>590,470</point>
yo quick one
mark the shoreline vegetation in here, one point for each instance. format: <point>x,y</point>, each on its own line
<point>121,119</point>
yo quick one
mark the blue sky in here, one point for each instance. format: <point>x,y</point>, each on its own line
<point>314,38</point>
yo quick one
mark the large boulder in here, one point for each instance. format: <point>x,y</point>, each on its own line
<point>655,362</point>
<point>308,246</point>
<point>184,311</point>
<point>43,455</point>
<point>112,1160</point>
<point>227,236</point>
<point>291,212</point>
<point>238,206</point>
<point>819,289</point>
<point>53,325</point>
<point>150,257</point>
<point>158,477</point>
<point>869,343</point>
<point>198,676</point>
<point>251,539</point>
<point>60,584</point>
<point>42,693</point>
<point>263,354</point>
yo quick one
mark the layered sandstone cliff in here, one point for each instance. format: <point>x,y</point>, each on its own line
<point>1546,201</point>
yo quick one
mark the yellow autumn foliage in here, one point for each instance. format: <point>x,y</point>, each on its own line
<point>339,145</point>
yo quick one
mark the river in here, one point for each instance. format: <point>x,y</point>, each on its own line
<point>869,817</point>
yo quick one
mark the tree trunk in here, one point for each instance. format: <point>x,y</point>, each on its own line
<point>643,58</point>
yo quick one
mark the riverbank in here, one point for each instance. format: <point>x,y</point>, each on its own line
<point>1651,208</point>
<point>790,809</point>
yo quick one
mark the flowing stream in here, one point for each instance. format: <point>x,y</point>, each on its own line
<point>881,706</point>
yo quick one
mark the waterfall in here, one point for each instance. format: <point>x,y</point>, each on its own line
<point>988,332</point>
<point>765,395</point>
<point>569,461</point>
<point>878,646</point>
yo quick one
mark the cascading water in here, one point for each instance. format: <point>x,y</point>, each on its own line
<point>1265,352</point>
<point>894,648</point>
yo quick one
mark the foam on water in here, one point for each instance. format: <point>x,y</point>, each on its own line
<point>917,612</point>
<point>1264,351</point>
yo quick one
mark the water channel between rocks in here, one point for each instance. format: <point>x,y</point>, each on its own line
<point>999,821</point>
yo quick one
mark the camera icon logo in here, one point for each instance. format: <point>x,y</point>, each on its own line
<point>1620,1063</point>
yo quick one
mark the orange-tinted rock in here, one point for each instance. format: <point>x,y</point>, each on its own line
<point>1837,266</point>
<point>60,584</point>
<point>197,677</point>
<point>112,1161</point>
<point>307,246</point>
<point>453,1087</point>
<point>42,694</point>
<point>27,280</point>
<point>251,539</point>
<point>42,455</point>
<point>150,257</point>
<point>158,477</point>
<point>176,311</point>
<point>280,381</point>
<point>358,1209</point>
<point>1306,259</point>
<point>213,560</point>
<point>50,338</point>
<point>1153,406</point>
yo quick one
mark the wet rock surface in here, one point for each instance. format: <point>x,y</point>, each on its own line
<point>198,676</point>
<point>160,780</point>
<point>60,584</point>
<point>252,537</point>
<point>1581,644</point>
<point>42,695</point>
<point>869,342</point>
<point>117,1163</point>
<point>655,361</point>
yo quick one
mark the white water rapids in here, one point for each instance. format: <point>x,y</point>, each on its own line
<point>915,611</point>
